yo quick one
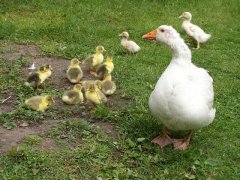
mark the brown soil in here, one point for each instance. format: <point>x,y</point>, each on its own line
<point>107,128</point>
<point>16,51</point>
<point>9,102</point>
<point>58,79</point>
<point>14,137</point>
<point>47,144</point>
<point>10,138</point>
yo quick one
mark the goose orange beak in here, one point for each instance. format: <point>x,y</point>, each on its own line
<point>151,35</point>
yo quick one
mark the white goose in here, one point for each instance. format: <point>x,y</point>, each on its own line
<point>193,30</point>
<point>183,96</point>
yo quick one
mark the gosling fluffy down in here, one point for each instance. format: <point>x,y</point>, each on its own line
<point>94,94</point>
<point>74,96</point>
<point>96,59</point>
<point>74,72</point>
<point>38,77</point>
<point>39,103</point>
<point>105,68</point>
<point>48,70</point>
<point>107,86</point>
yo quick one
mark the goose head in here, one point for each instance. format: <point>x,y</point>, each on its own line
<point>169,36</point>
<point>163,34</point>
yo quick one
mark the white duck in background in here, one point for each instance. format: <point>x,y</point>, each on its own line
<point>131,46</point>
<point>183,96</point>
<point>193,30</point>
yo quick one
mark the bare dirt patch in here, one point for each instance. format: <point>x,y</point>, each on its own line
<point>58,79</point>
<point>47,144</point>
<point>32,54</point>
<point>7,102</point>
<point>11,138</point>
<point>107,128</point>
<point>14,137</point>
<point>12,51</point>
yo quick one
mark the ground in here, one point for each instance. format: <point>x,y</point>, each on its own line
<point>71,142</point>
<point>31,54</point>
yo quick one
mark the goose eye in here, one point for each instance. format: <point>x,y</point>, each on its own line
<point>162,30</point>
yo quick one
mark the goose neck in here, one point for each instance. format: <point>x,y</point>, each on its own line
<point>181,52</point>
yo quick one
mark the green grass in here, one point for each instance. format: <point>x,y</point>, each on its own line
<point>32,139</point>
<point>80,26</point>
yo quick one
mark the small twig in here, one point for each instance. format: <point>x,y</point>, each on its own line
<point>3,101</point>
